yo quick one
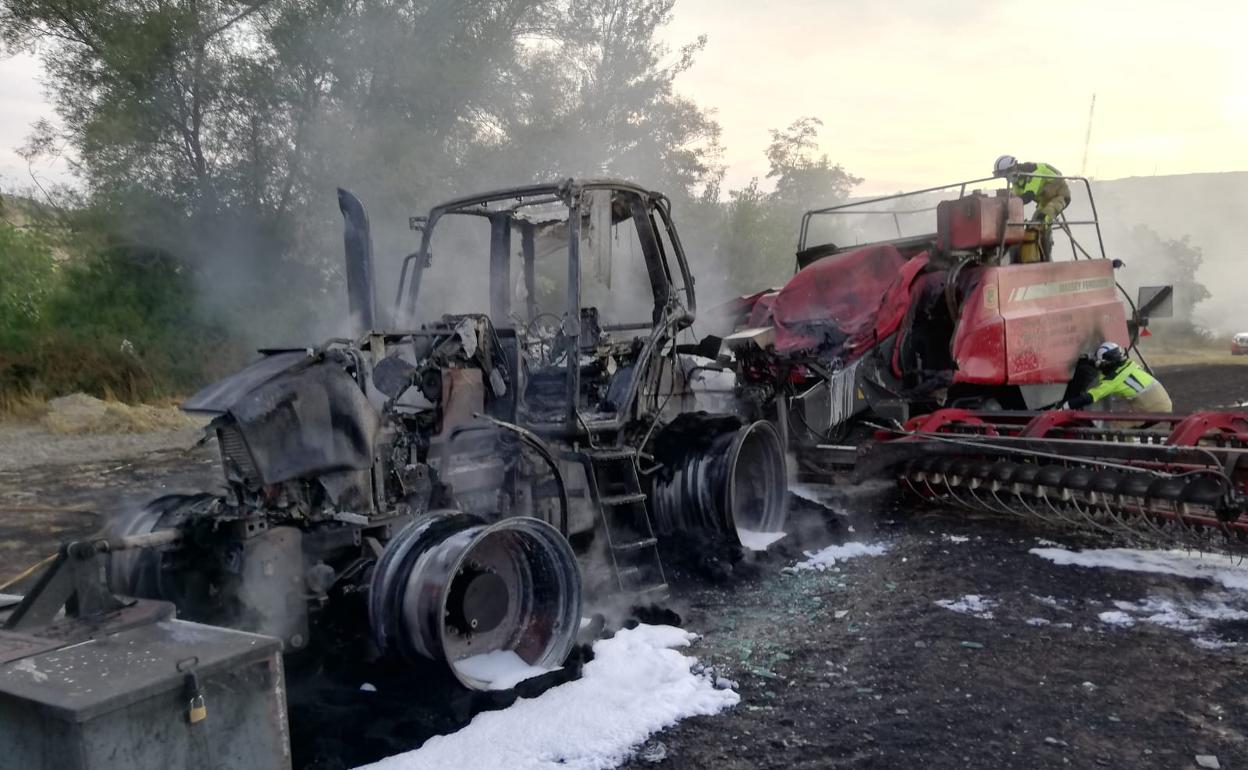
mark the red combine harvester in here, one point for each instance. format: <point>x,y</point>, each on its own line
<point>938,356</point>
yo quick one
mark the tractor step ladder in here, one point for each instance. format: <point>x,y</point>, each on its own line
<point>611,475</point>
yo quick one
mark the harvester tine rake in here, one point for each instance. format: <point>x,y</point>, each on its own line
<point>1199,534</point>
<point>1124,523</point>
<point>942,496</point>
<point>1116,524</point>
<point>1006,507</point>
<point>998,504</point>
<point>1050,471</point>
<point>1059,513</point>
<point>910,485</point>
<point>995,508</point>
<point>1035,511</point>
<point>1077,505</point>
<point>959,499</point>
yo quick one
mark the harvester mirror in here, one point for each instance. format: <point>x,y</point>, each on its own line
<point>1155,302</point>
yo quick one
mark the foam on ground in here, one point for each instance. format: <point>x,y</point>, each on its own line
<point>1217,567</point>
<point>1116,618</point>
<point>1182,614</point>
<point>758,541</point>
<point>1186,614</point>
<point>827,557</point>
<point>971,604</point>
<point>636,685</point>
<point>499,670</point>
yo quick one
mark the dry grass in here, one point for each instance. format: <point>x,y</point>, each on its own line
<point>21,406</point>
<point>82,414</point>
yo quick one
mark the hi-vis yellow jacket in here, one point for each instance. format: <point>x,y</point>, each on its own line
<point>1141,390</point>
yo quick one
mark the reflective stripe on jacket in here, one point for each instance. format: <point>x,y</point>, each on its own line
<point>1129,382</point>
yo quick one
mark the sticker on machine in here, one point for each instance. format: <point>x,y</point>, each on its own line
<point>1056,288</point>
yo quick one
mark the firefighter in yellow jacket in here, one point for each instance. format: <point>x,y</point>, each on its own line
<point>1124,379</point>
<point>1051,196</point>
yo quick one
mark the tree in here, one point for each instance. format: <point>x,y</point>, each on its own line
<point>804,178</point>
<point>217,129</point>
<point>594,94</point>
<point>1177,263</point>
<point>29,272</point>
<point>755,246</point>
<point>170,102</point>
<point>759,238</point>
<point>1153,260</point>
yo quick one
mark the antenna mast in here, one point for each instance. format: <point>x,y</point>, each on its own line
<point>1087,139</point>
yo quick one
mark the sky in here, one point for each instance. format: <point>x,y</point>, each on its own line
<point>21,104</point>
<point>914,93</point>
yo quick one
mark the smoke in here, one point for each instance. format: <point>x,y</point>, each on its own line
<point>228,155</point>
<point>485,95</point>
<point>1145,217</point>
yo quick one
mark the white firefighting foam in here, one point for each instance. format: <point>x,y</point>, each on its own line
<point>636,685</point>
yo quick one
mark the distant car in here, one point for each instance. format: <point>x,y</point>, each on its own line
<point>1239,344</point>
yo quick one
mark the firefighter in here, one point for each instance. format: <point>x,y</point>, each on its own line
<point>1051,196</point>
<point>1123,378</point>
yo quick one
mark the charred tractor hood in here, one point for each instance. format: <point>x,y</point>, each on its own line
<point>291,415</point>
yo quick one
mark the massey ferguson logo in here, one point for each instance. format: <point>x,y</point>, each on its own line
<point>1054,288</point>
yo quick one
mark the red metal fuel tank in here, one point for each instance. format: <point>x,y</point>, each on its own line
<point>978,221</point>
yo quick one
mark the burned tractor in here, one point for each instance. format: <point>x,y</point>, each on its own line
<point>520,429</point>
<point>934,357</point>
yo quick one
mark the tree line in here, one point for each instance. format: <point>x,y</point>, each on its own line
<point>207,137</point>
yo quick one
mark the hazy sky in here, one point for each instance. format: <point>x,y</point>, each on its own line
<point>916,92</point>
<point>21,104</point>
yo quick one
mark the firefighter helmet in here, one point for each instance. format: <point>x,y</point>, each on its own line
<point>1110,354</point>
<point>1004,164</point>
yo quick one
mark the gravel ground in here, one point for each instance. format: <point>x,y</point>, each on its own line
<point>861,668</point>
<point>28,446</point>
<point>1194,386</point>
<point>43,504</point>
<point>856,667</point>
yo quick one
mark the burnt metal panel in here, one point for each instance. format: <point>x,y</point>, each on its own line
<point>358,248</point>
<point>572,317</point>
<point>500,268</point>
<point>218,397</point>
<point>307,423</point>
<point>660,285</point>
<point>530,278</point>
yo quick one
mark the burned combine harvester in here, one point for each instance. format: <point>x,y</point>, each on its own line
<point>434,488</point>
<point>933,357</point>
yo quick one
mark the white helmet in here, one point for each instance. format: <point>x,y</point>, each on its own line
<point>1110,354</point>
<point>1004,164</point>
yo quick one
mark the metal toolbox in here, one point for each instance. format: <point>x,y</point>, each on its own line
<point>124,699</point>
